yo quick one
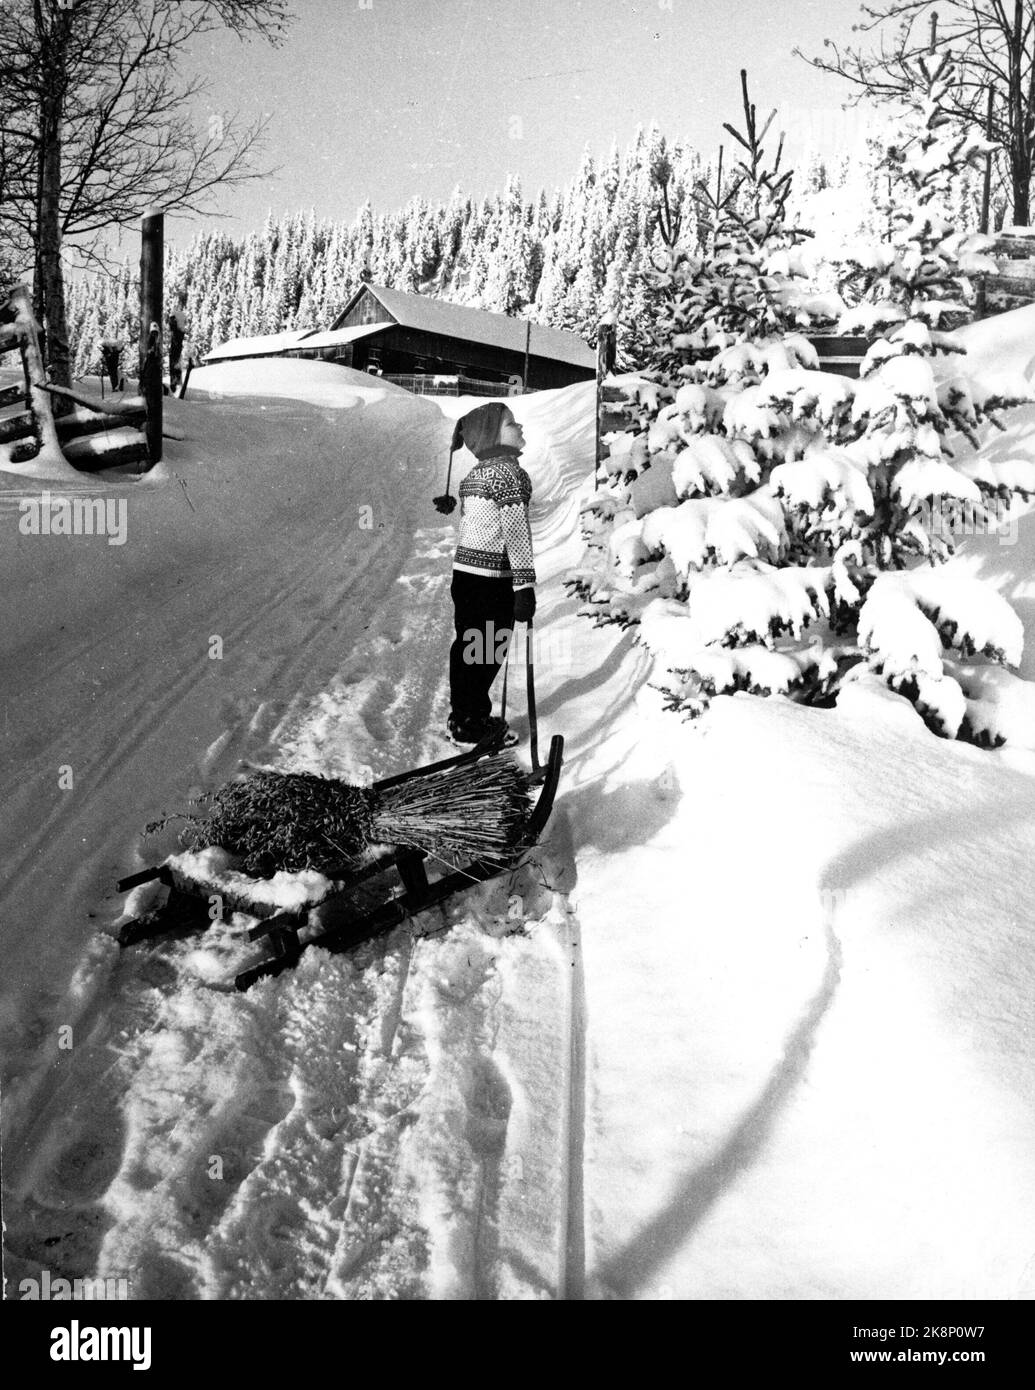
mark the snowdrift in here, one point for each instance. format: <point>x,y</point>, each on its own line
<point>290,378</point>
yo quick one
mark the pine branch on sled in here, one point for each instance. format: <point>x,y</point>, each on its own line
<point>467,820</point>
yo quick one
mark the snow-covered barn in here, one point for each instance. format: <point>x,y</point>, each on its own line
<point>430,346</point>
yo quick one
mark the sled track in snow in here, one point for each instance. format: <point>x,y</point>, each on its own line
<point>573,1286</point>
<point>362,1161</point>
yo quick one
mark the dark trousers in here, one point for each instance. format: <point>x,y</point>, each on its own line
<point>175,357</point>
<point>110,359</point>
<point>483,617</point>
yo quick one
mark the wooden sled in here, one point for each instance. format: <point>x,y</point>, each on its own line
<point>366,901</point>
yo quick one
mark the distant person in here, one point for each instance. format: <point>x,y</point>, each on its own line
<point>177,333</point>
<point>494,567</point>
<point>111,360</point>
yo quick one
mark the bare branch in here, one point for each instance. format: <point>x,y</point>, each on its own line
<point>93,121</point>
<point>991,44</point>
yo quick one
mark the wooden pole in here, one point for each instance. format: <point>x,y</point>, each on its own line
<point>70,426</point>
<point>606,352</point>
<point>186,377</point>
<point>528,343</point>
<point>152,250</point>
<point>986,203</point>
<point>596,427</point>
<point>131,405</point>
<point>32,361</point>
<point>986,192</point>
<point>117,449</point>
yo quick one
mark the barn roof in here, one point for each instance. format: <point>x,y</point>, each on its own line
<point>338,337</point>
<point>420,311</point>
<point>268,345</point>
<point>277,344</point>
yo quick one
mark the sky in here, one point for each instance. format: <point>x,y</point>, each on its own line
<point>386,99</point>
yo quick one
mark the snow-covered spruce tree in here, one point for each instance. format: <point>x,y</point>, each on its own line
<point>917,413</point>
<point>691,538</point>
<point>769,499</point>
<point>660,261</point>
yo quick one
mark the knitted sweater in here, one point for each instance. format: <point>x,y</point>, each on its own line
<point>494,537</point>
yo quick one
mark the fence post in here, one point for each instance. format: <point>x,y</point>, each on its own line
<point>152,250</point>
<point>607,335</point>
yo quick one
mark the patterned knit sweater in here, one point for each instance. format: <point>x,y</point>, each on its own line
<point>494,536</point>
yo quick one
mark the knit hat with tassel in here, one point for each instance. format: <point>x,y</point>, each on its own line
<point>479,429</point>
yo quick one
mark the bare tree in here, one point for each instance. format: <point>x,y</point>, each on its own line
<point>95,125</point>
<point>993,43</point>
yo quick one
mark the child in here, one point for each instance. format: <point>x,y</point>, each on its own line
<point>493,568</point>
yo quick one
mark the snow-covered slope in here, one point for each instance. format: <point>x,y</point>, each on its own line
<point>1006,556</point>
<point>766,1030</point>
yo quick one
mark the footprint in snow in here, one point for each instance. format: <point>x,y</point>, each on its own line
<point>489,1105</point>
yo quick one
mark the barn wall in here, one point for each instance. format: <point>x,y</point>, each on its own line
<point>367,309</point>
<point>401,350</point>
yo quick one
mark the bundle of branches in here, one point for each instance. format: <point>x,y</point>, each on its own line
<point>477,810</point>
<point>293,821</point>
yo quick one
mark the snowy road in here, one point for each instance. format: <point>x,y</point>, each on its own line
<point>757,1022</point>
<point>348,1131</point>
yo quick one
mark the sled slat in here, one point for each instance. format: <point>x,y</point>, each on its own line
<point>181,912</point>
<point>159,871</point>
<point>414,877</point>
<point>282,922</point>
<point>21,426</point>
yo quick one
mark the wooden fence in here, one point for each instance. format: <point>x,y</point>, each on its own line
<point>430,385</point>
<point>90,434</point>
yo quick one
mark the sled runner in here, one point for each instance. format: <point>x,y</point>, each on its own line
<point>361,903</point>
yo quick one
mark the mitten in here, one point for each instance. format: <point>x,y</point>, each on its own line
<point>524,605</point>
